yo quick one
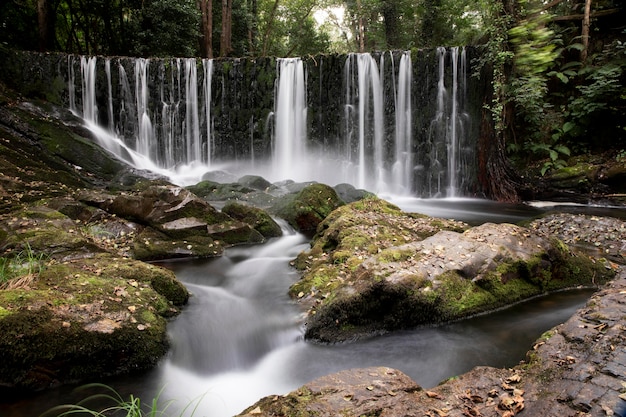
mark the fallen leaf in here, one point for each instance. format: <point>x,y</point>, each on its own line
<point>514,379</point>
<point>433,394</point>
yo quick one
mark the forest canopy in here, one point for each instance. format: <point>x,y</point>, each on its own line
<point>248,28</point>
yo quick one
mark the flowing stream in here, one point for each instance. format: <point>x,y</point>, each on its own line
<point>240,337</point>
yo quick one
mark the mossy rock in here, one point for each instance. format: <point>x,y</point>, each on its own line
<point>86,319</point>
<point>376,270</point>
<point>259,219</point>
<point>47,231</point>
<point>152,245</point>
<point>309,207</point>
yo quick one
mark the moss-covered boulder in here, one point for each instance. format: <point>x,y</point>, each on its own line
<point>307,208</point>
<point>374,269</point>
<point>259,219</point>
<point>85,319</point>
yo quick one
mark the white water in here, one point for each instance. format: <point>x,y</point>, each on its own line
<point>402,169</point>
<point>290,117</point>
<point>175,133</point>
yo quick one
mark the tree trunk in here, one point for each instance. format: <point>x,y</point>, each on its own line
<point>226,36</point>
<point>585,32</point>
<point>206,9</point>
<point>46,19</point>
<point>497,179</point>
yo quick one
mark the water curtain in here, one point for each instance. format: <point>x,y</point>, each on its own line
<point>380,125</point>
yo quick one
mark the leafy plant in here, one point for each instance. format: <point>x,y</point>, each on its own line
<point>131,407</point>
<point>554,153</point>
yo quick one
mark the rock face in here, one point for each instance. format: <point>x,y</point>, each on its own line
<point>373,269</point>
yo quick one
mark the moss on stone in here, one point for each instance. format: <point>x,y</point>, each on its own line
<point>258,219</point>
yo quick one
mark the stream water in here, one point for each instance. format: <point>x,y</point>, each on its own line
<point>240,339</point>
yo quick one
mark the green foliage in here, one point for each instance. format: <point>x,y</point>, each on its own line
<point>25,262</point>
<point>592,96</point>
<point>117,405</point>
<point>167,28</point>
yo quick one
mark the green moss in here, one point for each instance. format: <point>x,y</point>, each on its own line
<point>395,254</point>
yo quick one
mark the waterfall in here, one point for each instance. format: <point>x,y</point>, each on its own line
<point>192,126</point>
<point>207,65</point>
<point>88,71</point>
<point>394,123</point>
<point>366,96</point>
<point>142,94</point>
<point>290,119</point>
<point>450,156</point>
<point>402,170</point>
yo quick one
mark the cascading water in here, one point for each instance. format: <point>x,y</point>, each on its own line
<point>364,141</point>
<point>88,71</point>
<point>181,118</point>
<point>449,127</point>
<point>290,118</point>
<point>207,65</point>
<point>402,170</point>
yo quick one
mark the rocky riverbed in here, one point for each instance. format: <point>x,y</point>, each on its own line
<point>87,220</point>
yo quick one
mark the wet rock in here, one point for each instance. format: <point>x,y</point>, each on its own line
<point>373,268</point>
<point>306,209</point>
<point>254,181</point>
<point>357,392</point>
<point>601,237</point>
<point>85,319</point>
<point>562,376</point>
<point>349,194</point>
<point>259,219</point>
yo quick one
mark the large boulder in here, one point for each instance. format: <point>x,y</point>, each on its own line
<point>373,269</point>
<point>85,319</point>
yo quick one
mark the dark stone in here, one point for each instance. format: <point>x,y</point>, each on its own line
<point>255,182</point>
<point>258,219</point>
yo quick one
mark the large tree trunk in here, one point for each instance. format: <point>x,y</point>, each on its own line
<point>497,179</point>
<point>46,18</point>
<point>226,37</point>
<point>206,9</point>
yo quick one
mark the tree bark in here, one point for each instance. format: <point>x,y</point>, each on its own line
<point>585,32</point>
<point>206,9</point>
<point>226,36</point>
<point>46,19</point>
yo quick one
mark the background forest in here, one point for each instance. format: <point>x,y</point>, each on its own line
<point>558,68</point>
